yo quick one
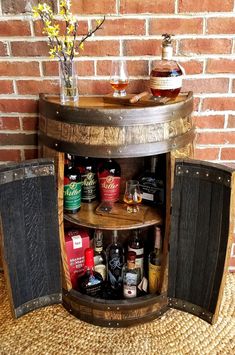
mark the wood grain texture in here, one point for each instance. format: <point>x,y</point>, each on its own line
<point>30,235</point>
<point>199,233</point>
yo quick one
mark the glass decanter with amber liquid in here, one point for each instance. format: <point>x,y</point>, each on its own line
<point>166,77</point>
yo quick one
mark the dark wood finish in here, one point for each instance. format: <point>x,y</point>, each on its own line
<point>199,235</point>
<point>28,208</point>
<point>118,313</point>
<point>97,129</point>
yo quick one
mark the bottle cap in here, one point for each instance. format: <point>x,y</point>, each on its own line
<point>89,257</point>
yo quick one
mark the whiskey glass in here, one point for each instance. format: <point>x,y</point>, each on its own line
<point>119,78</point>
<point>132,196</point>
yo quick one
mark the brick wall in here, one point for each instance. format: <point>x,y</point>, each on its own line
<point>204,45</point>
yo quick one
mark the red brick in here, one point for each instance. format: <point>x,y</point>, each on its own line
<point>192,66</point>
<point>31,153</point>
<point>228,153</point>
<point>213,121</point>
<point>19,69</point>
<point>205,45</point>
<point>83,7</point>
<point>81,30</point>
<point>205,6</point>
<point>233,87</point>
<point>82,68</point>
<point>18,139</point>
<point>94,87</point>
<point>34,87</point>
<point>176,25</point>
<point>231,121</point>
<point>100,48</point>
<point>30,123</point>
<point>209,85</point>
<point>206,154</point>
<point>119,27</point>
<point>10,155</point>
<point>3,49</point>
<point>196,102</point>
<point>147,6</point>
<point>220,66</point>
<point>6,87</point>
<point>19,105</point>
<point>14,28</point>
<point>9,123</point>
<point>22,6</point>
<point>218,103</point>
<point>221,25</point>
<point>134,67</point>
<point>140,47</point>
<point>216,138</point>
<point>29,49</point>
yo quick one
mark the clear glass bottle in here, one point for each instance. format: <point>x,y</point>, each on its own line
<point>99,254</point>
<point>109,173</point>
<point>155,259</point>
<point>166,76</point>
<point>152,184</point>
<point>131,276</point>
<point>136,245</point>
<point>115,262</point>
<point>72,186</point>
<point>91,282</point>
<point>87,170</point>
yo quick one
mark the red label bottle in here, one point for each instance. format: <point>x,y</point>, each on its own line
<point>109,173</point>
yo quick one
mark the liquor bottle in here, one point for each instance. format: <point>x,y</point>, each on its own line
<point>91,282</point>
<point>152,184</point>
<point>166,77</point>
<point>72,186</point>
<point>87,170</point>
<point>131,276</point>
<point>155,258</point>
<point>115,262</point>
<point>109,173</point>
<point>99,254</point>
<point>135,244</point>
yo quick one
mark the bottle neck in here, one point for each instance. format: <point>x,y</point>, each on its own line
<point>167,52</point>
<point>98,241</point>
<point>89,260</point>
<point>153,164</point>
<point>157,244</point>
<point>115,237</point>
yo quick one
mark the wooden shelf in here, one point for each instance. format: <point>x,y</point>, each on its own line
<point>87,217</point>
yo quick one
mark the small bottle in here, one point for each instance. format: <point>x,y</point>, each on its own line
<point>109,173</point>
<point>131,276</point>
<point>72,186</point>
<point>87,170</point>
<point>99,254</point>
<point>91,282</point>
<point>152,184</point>
<point>115,262</point>
<point>136,245</point>
<point>155,258</point>
<point>166,77</point>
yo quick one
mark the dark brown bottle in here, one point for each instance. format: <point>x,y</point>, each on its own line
<point>166,76</point>
<point>91,282</point>
<point>72,186</point>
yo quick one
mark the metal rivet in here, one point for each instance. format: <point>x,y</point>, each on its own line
<point>197,172</point>
<point>117,308</point>
<point>110,118</point>
<point>109,152</point>
<point>187,171</point>
<point>121,118</point>
<point>108,307</point>
<point>179,167</point>
<point>170,304</point>
<point>4,177</point>
<point>184,305</point>
<point>15,174</point>
<point>193,308</point>
<point>56,144</point>
<point>119,150</point>
<point>207,174</point>
<point>176,302</point>
<point>169,299</point>
<point>109,323</point>
<point>57,112</point>
<point>219,178</point>
<point>228,180</point>
<point>117,323</point>
<point>203,313</point>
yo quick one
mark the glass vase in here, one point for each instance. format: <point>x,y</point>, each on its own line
<point>68,82</point>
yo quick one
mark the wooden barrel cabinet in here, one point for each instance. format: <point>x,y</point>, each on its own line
<point>198,217</point>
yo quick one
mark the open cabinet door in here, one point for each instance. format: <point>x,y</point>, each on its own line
<point>29,234</point>
<point>202,224</point>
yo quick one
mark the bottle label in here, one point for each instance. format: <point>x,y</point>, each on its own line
<point>101,268</point>
<point>130,285</point>
<point>139,261</point>
<point>168,83</point>
<point>109,188</point>
<point>72,196</point>
<point>154,277</point>
<point>88,186</point>
<point>115,271</point>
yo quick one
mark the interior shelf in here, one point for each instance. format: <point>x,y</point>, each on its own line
<point>119,220</point>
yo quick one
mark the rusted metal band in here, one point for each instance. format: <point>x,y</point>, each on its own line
<point>190,308</point>
<point>31,169</point>
<point>38,303</point>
